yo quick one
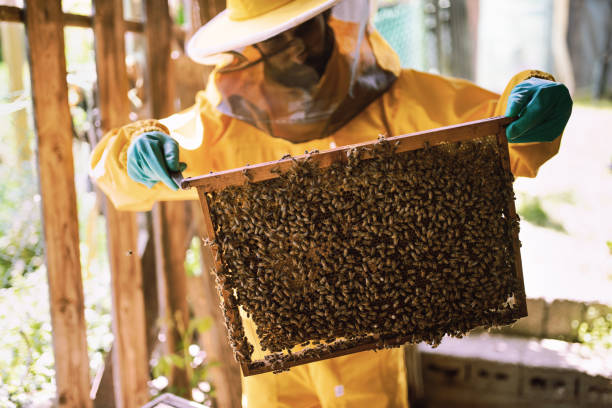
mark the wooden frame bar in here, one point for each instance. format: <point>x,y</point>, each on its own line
<point>269,170</point>
<point>17,15</point>
<point>79,20</point>
<point>44,28</point>
<point>230,310</point>
<point>502,142</point>
<point>12,14</point>
<point>260,172</point>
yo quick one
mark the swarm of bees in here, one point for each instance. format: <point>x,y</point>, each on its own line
<point>388,249</point>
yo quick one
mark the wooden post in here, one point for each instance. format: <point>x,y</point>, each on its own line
<point>158,31</point>
<point>171,242</point>
<point>13,49</point>
<point>204,10</point>
<point>45,32</point>
<point>169,220</point>
<point>130,360</point>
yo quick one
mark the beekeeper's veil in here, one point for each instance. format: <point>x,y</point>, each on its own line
<point>297,69</point>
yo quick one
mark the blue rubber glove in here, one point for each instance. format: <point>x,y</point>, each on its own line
<point>543,109</point>
<point>151,157</point>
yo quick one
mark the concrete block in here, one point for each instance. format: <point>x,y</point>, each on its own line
<point>444,370</point>
<point>533,324</point>
<point>492,377</point>
<point>548,384</point>
<point>561,314</point>
<point>595,391</point>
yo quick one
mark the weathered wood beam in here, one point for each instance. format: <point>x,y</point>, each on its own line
<point>44,28</point>
<point>171,242</point>
<point>130,360</point>
<point>158,33</point>
<point>12,14</point>
<point>169,222</point>
<point>16,15</point>
<point>79,20</point>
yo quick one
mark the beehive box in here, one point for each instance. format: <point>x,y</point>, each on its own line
<point>404,239</point>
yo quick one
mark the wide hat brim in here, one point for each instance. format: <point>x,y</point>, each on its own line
<point>222,34</point>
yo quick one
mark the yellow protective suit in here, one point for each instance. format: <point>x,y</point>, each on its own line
<point>211,141</point>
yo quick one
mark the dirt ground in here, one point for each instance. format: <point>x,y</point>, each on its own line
<point>575,191</point>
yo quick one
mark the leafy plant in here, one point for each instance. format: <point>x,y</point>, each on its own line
<point>596,331</point>
<point>188,357</point>
<point>21,247</point>
<point>26,357</point>
<point>192,258</point>
<point>27,372</point>
<point>531,211</point>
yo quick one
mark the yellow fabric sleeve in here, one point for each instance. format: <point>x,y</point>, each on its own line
<point>209,141</point>
<point>422,101</point>
<point>108,168</point>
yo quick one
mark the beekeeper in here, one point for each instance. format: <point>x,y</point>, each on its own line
<point>296,75</point>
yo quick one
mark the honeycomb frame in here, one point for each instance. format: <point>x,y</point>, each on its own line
<point>214,182</point>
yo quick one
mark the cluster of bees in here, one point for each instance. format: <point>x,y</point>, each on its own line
<point>405,247</point>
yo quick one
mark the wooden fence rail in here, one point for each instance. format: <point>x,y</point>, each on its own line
<point>130,366</point>
<point>17,15</point>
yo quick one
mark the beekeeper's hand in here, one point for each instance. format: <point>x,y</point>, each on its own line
<point>543,108</point>
<point>151,157</point>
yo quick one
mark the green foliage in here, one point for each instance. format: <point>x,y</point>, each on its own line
<point>596,331</point>
<point>21,245</point>
<point>531,211</point>
<point>26,355</point>
<point>188,357</point>
<point>192,258</point>
<point>179,18</point>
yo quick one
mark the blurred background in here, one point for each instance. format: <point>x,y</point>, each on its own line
<point>561,352</point>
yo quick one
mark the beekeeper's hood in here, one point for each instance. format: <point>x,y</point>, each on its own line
<point>265,73</point>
